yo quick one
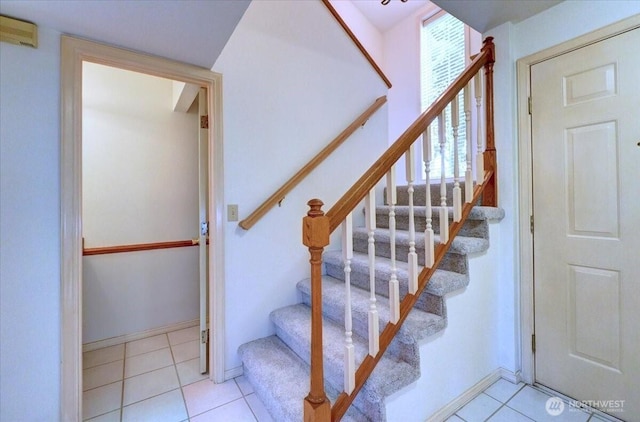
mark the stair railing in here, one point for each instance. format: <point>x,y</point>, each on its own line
<point>318,226</point>
<point>279,194</point>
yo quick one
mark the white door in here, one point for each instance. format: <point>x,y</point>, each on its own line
<point>203,189</point>
<point>586,184</point>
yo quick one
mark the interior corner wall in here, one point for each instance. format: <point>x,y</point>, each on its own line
<point>506,148</point>
<point>292,81</point>
<point>30,230</point>
<point>140,185</point>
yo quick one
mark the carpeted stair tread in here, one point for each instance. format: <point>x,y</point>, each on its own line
<point>281,379</point>
<point>293,327</point>
<point>418,325</point>
<point>460,245</point>
<point>441,283</point>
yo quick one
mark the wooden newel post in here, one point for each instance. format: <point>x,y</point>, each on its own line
<point>315,236</point>
<point>490,194</point>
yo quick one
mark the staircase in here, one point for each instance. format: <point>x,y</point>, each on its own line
<point>350,369</point>
<point>278,366</point>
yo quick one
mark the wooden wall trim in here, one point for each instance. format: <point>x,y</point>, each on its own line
<point>358,44</point>
<point>103,250</point>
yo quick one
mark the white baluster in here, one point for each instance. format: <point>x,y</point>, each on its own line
<point>444,213</point>
<point>457,193</point>
<point>412,257</point>
<point>468,175</point>
<point>477,82</point>
<point>394,290</point>
<point>429,244</point>
<point>349,351</point>
<point>374,332</point>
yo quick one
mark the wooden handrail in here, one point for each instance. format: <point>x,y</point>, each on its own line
<point>379,169</point>
<point>140,247</point>
<point>357,42</point>
<point>279,195</point>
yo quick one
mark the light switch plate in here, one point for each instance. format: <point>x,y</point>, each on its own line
<point>232,212</point>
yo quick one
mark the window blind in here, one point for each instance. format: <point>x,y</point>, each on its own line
<point>442,59</point>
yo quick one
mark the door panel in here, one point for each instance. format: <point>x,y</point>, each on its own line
<point>586,181</point>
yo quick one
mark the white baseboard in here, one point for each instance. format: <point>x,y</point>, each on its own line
<point>233,373</point>
<point>137,336</point>
<point>457,403</point>
<point>513,377</point>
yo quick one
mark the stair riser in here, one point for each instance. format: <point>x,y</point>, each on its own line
<point>471,228</point>
<point>420,194</point>
<point>451,262</point>
<point>427,302</point>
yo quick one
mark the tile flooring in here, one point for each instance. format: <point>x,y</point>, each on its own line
<point>507,402</point>
<point>157,379</point>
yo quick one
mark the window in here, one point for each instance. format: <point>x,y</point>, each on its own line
<point>443,50</point>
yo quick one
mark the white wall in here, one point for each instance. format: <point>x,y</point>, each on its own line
<point>507,198</point>
<point>30,230</point>
<point>292,82</point>
<point>467,350</point>
<point>553,26</point>
<point>140,185</point>
<point>368,35</point>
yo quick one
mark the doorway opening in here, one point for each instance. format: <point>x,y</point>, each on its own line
<point>77,55</point>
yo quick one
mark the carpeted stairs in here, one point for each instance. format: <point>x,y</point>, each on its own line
<point>278,366</point>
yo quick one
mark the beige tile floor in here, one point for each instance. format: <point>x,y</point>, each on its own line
<point>507,402</point>
<point>157,379</point>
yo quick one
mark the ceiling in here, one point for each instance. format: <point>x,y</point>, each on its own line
<point>190,31</point>
<point>386,16</point>
<point>481,15</point>
<point>196,31</point>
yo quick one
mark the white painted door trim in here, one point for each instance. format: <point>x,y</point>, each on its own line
<point>525,205</point>
<point>73,52</point>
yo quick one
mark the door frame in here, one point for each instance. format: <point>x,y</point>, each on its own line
<point>73,52</point>
<point>525,182</point>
